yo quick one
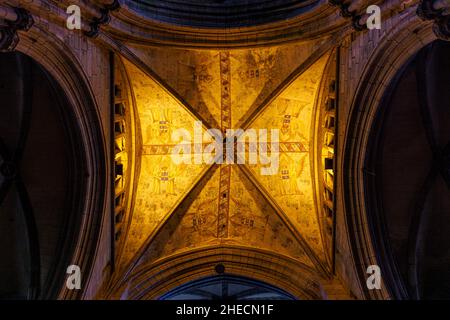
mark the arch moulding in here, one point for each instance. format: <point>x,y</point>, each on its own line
<point>365,236</point>
<point>59,61</point>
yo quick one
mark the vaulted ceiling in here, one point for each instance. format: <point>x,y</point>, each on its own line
<point>230,64</point>
<point>179,208</point>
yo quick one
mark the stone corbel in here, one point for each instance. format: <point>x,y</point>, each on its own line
<point>442,28</point>
<point>439,12</point>
<point>104,18</point>
<point>15,19</point>
<point>8,39</point>
<point>347,12</point>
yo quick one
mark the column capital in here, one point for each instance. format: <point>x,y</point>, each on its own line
<point>432,10</point>
<point>8,32</point>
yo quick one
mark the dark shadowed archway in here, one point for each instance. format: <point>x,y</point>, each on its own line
<point>409,176</point>
<point>40,180</point>
<point>229,288</point>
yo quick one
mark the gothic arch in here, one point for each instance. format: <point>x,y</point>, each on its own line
<point>365,234</point>
<point>160,27</point>
<point>155,279</point>
<point>59,61</point>
<point>224,287</point>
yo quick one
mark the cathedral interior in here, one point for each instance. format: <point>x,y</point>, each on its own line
<point>357,177</point>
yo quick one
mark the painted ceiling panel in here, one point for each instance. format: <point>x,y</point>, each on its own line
<point>253,223</point>
<point>255,73</point>
<point>191,228</point>
<point>162,183</point>
<point>292,187</point>
<point>180,207</point>
<point>194,75</point>
<point>258,72</point>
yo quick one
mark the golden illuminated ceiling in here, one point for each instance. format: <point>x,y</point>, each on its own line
<point>181,207</point>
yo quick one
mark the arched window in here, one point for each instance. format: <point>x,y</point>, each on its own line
<point>226,287</point>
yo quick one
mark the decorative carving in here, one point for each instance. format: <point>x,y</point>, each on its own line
<point>357,24</point>
<point>97,22</point>
<point>8,39</point>
<point>24,20</point>
<point>104,19</point>
<point>346,13</point>
<point>428,11</point>
<point>225,170</point>
<point>442,28</point>
<point>8,33</point>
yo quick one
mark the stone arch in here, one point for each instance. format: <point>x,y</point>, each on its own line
<point>392,54</point>
<point>60,62</point>
<point>153,280</point>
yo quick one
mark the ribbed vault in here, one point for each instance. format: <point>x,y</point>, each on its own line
<point>182,208</point>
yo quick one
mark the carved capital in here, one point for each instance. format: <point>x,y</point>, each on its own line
<point>344,10</point>
<point>357,25</point>
<point>24,21</point>
<point>442,28</point>
<point>8,33</point>
<point>427,11</point>
<point>93,31</point>
<point>8,39</point>
<point>97,22</point>
<point>104,19</point>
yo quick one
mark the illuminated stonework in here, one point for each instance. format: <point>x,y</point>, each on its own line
<point>291,188</point>
<point>364,153</point>
<point>124,142</point>
<point>185,207</point>
<point>162,184</point>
